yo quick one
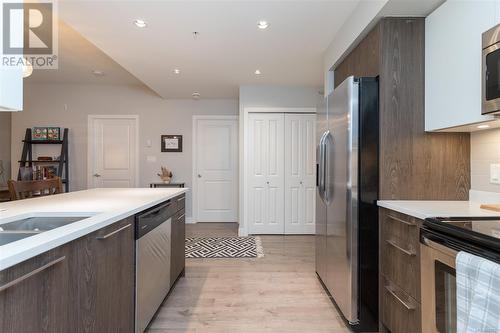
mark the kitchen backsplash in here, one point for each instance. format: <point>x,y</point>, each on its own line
<point>485,150</point>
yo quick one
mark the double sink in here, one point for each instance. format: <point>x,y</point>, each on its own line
<point>30,226</point>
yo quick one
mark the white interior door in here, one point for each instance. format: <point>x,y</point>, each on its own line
<point>112,152</point>
<point>300,174</point>
<point>216,170</point>
<point>266,173</point>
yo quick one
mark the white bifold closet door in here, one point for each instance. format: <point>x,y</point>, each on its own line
<point>300,173</point>
<point>266,181</point>
<point>282,175</point>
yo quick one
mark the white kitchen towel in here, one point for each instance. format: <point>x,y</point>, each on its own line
<point>478,294</point>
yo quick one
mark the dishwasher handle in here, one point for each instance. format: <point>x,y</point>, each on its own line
<point>149,220</point>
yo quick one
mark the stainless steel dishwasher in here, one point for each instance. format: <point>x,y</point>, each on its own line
<point>153,247</point>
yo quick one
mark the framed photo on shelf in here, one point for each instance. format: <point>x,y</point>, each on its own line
<point>171,143</point>
<point>54,133</point>
<point>39,133</point>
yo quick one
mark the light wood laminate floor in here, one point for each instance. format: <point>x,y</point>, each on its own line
<point>278,293</point>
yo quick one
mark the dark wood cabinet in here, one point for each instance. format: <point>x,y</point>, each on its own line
<point>399,290</point>
<point>399,312</point>
<point>115,275</point>
<point>34,294</point>
<point>414,165</point>
<point>178,260</point>
<point>86,285</point>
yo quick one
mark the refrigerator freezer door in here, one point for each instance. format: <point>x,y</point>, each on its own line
<point>321,127</point>
<point>342,191</point>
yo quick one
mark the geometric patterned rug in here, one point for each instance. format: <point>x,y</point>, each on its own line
<point>224,247</point>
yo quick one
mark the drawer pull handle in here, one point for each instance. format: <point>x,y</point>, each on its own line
<point>407,252</point>
<point>181,199</point>
<point>397,219</point>
<point>30,274</point>
<point>408,307</point>
<point>114,232</point>
<point>181,217</point>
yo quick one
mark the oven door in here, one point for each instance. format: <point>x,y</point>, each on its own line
<point>438,287</point>
<point>491,79</point>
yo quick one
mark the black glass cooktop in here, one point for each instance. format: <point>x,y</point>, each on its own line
<point>480,230</point>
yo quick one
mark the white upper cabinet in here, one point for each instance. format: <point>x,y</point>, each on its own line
<point>11,89</point>
<point>453,63</point>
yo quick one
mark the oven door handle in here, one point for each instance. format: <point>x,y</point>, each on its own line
<point>439,247</point>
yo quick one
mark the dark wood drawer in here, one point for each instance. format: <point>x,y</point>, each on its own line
<point>399,312</point>
<point>34,295</point>
<point>400,251</point>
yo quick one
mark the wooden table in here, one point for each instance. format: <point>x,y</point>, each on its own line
<point>155,185</point>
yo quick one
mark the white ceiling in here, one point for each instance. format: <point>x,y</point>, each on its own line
<point>228,50</point>
<point>77,59</point>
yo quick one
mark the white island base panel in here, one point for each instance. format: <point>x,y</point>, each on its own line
<point>103,206</point>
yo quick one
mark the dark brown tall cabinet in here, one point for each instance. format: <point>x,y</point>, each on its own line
<point>414,165</point>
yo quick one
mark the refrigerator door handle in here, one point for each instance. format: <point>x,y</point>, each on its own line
<point>327,164</point>
<point>321,168</point>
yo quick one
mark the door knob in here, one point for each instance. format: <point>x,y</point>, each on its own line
<point>199,176</point>
<point>301,183</point>
<point>97,175</point>
<point>267,183</point>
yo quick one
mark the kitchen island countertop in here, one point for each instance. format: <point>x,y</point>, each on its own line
<point>102,206</point>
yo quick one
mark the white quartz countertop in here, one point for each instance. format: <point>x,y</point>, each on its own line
<point>425,209</point>
<point>103,206</point>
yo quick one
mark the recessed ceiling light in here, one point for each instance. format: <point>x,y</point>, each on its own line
<point>483,126</point>
<point>196,95</point>
<point>177,71</point>
<point>257,72</point>
<point>263,25</point>
<point>97,72</point>
<point>140,23</point>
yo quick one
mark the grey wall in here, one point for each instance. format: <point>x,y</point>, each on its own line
<point>69,106</point>
<point>5,129</point>
<point>279,96</point>
<point>485,150</point>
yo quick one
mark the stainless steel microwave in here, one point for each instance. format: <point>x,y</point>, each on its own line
<point>491,71</point>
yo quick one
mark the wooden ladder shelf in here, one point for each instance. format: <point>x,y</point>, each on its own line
<point>27,156</point>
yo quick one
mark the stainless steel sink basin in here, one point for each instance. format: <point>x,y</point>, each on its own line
<point>40,223</point>
<point>7,237</point>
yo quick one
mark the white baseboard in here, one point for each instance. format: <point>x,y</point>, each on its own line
<point>190,220</point>
<point>242,232</point>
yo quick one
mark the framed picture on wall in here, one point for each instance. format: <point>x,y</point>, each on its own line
<point>171,143</point>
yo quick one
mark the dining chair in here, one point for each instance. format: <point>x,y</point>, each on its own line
<point>34,188</point>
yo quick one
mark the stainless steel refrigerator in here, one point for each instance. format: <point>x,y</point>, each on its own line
<point>347,191</point>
